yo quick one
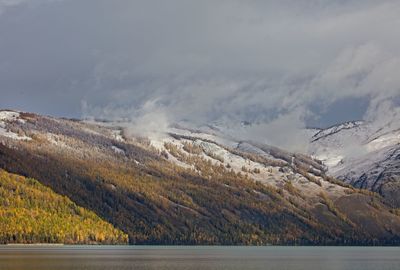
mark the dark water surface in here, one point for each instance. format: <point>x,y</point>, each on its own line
<point>196,258</point>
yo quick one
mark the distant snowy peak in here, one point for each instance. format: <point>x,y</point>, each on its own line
<point>335,129</point>
<point>364,154</point>
<point>353,139</point>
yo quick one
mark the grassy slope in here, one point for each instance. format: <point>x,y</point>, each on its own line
<point>32,213</point>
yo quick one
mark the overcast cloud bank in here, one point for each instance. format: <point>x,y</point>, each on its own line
<point>282,65</point>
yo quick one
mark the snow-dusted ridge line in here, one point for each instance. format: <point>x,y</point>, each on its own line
<point>9,116</point>
<point>335,129</point>
<point>117,142</point>
<point>364,154</point>
<point>269,165</point>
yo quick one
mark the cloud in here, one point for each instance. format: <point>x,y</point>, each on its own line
<point>4,4</point>
<point>278,64</point>
<point>7,4</point>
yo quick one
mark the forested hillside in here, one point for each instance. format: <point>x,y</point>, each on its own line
<point>190,187</point>
<point>33,213</point>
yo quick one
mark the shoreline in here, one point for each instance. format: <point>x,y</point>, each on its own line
<point>34,244</point>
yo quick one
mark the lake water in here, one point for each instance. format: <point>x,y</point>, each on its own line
<point>196,258</point>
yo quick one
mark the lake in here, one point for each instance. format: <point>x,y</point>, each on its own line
<point>196,258</point>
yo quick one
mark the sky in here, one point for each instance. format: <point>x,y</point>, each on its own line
<point>284,65</point>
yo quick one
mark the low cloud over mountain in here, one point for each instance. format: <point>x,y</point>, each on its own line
<point>280,64</point>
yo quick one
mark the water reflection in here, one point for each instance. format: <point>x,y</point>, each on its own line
<point>196,258</point>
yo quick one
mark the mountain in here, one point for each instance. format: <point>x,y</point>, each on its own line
<point>192,186</point>
<point>32,213</point>
<point>363,154</point>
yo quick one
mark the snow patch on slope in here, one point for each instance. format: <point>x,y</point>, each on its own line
<point>9,117</point>
<point>383,141</point>
<point>118,150</point>
<point>117,134</point>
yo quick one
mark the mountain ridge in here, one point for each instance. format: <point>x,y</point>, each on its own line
<point>365,155</point>
<point>183,187</point>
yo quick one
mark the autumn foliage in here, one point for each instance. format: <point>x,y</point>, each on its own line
<point>33,213</point>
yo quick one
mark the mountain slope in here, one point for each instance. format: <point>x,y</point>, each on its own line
<point>193,187</point>
<point>32,213</point>
<point>363,155</point>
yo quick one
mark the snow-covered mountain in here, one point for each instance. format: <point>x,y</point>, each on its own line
<point>363,154</point>
<point>366,155</point>
<point>192,185</point>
